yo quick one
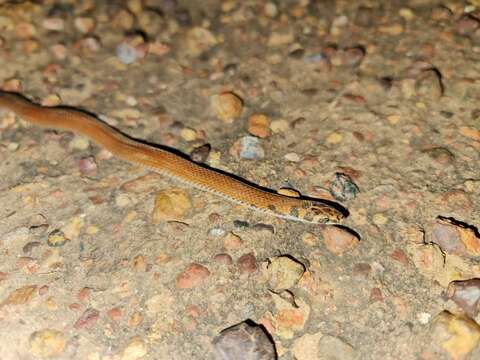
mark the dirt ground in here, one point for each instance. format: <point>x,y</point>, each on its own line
<point>372,104</point>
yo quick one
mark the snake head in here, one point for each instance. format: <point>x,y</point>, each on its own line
<point>320,213</point>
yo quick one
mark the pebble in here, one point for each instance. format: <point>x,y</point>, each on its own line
<point>227,106</point>
<point>338,240</point>
<point>306,347</point>
<point>193,276</point>
<point>224,259</point>
<point>457,335</point>
<point>80,143</point>
<point>281,38</point>
<point>271,9</point>
<point>135,349</point>
<point>232,242</point>
<point>131,49</point>
<point>258,125</point>
<point>429,84</point>
<point>290,316</point>
<point>334,138</point>
<point>217,232</point>
<point>293,157</point>
<point>20,296</point>
<point>84,24</point>
<point>88,166</point>
<point>188,134</point>
<point>343,188</point>
<point>379,219</point>
<point>197,41</point>
<point>123,19</point>
<point>53,24</point>
<point>170,205</point>
<point>245,341</point>
<point>200,153</point>
<point>284,272</point>
<point>455,238</point>
<point>331,347</point>
<point>247,264</point>
<point>279,126</point>
<point>466,294</point>
<point>467,25</point>
<point>87,319</point>
<point>309,239</point>
<point>470,132</point>
<point>247,147</point>
<point>361,271</point>
<point>56,238</point>
<point>47,343</point>
<point>114,313</point>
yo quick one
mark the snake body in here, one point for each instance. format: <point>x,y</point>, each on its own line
<point>166,162</point>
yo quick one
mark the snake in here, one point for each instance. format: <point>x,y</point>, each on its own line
<point>169,162</point>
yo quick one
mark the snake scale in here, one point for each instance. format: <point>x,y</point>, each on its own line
<point>167,162</point>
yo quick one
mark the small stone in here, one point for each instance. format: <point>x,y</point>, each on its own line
<point>284,272</point>
<point>271,9</point>
<point>281,38</point>
<point>334,138</point>
<point>171,205</point>
<point>306,347</point>
<point>293,157</point>
<point>290,316</point>
<point>247,147</point>
<point>114,313</point>
<point>392,29</point>
<point>258,125</point>
<point>343,188</point>
<point>232,241</point>
<point>84,294</point>
<point>245,341</point>
<point>197,41</point>
<point>193,276</point>
<point>247,264</point>
<point>466,294</point>
<point>467,25</point>
<point>309,239</point>
<point>224,259</point>
<point>470,132</point>
<point>188,134</point>
<point>139,263</point>
<point>353,56</point>
<point>338,240</point>
<point>361,271</point>
<point>264,227</point>
<point>429,84</point>
<point>376,295</point>
<point>87,319</point>
<point>123,19</point>
<point>53,24</point>
<point>84,24</point>
<point>88,166</point>
<point>457,335</point>
<point>227,106</point>
<point>279,126</point>
<point>216,232</point>
<point>455,238</point>
<point>135,349</point>
<point>200,154</point>
<point>135,319</point>
<point>131,49</point>
<point>47,343</point>
<point>80,143</point>
<point>20,296</point>
<point>379,219</point>
<point>331,347</point>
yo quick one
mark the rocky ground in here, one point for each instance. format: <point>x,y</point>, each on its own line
<point>371,104</point>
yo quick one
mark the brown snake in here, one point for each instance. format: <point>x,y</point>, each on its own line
<point>168,163</point>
